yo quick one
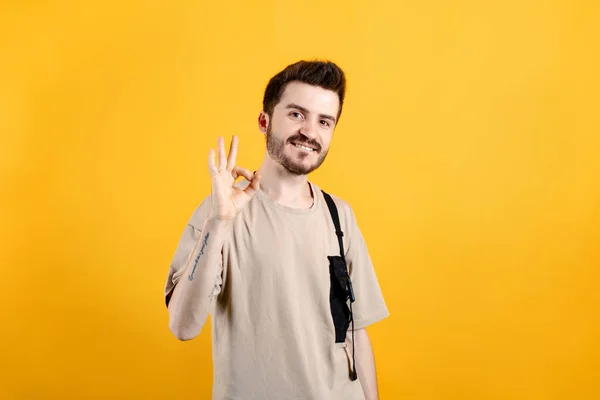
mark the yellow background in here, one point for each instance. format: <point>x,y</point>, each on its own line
<point>468,148</point>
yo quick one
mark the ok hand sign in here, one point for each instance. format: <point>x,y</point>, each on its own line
<point>227,200</point>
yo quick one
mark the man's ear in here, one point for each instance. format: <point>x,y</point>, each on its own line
<point>263,122</point>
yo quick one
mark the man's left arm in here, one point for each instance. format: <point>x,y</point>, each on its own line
<point>365,364</point>
<point>369,307</point>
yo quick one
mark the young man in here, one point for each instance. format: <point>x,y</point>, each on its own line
<point>263,258</point>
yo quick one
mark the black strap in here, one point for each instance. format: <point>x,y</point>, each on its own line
<point>336,222</point>
<point>338,231</point>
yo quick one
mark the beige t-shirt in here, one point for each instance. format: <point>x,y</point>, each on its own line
<point>273,335</point>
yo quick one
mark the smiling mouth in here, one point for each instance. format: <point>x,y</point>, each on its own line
<point>304,147</point>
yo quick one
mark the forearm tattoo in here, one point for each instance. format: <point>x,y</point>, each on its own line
<point>204,242</point>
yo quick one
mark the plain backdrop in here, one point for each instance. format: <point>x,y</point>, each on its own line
<point>468,148</point>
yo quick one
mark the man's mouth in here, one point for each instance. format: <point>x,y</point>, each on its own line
<point>304,147</point>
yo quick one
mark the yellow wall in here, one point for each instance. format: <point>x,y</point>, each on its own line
<point>468,148</point>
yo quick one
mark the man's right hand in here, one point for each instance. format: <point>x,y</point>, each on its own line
<point>226,199</point>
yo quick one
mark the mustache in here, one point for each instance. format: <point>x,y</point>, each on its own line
<point>303,140</point>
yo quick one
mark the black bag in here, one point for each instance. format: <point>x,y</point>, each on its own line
<point>341,294</point>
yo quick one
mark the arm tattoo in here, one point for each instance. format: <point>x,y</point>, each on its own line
<point>204,242</point>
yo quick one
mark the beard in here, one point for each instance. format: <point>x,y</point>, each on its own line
<point>276,147</point>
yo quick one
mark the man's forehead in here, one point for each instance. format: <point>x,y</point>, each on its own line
<point>313,98</point>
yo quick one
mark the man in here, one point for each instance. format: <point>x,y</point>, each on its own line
<point>263,258</point>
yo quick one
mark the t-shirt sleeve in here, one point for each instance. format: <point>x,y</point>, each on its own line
<point>369,306</point>
<point>187,242</point>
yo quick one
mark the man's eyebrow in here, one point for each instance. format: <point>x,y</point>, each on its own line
<point>304,110</point>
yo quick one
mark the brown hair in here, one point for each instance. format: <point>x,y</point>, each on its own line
<point>324,74</point>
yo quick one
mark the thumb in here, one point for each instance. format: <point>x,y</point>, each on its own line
<point>253,186</point>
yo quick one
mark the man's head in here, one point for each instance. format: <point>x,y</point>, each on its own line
<point>301,107</point>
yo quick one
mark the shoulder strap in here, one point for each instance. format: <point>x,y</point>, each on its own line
<point>336,221</point>
<point>338,231</point>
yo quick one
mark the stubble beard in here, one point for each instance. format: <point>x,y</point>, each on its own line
<point>275,148</point>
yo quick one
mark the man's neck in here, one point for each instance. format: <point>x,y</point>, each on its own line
<point>284,187</point>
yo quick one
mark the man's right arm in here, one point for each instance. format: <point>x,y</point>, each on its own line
<point>196,287</point>
<point>194,293</point>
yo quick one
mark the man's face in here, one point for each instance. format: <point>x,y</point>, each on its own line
<point>300,130</point>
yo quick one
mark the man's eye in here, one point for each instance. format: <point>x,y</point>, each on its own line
<point>296,114</point>
<point>324,122</point>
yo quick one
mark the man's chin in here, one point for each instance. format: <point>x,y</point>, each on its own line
<point>295,170</point>
<point>299,169</point>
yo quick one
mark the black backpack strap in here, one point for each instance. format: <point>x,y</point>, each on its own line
<point>338,231</point>
<point>336,221</point>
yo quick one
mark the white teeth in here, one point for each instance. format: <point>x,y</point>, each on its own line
<point>303,147</point>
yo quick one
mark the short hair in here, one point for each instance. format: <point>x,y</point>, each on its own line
<point>324,74</point>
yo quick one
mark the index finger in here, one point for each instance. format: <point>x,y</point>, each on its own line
<point>231,159</point>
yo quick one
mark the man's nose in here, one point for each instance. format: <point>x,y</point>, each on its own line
<point>309,129</point>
